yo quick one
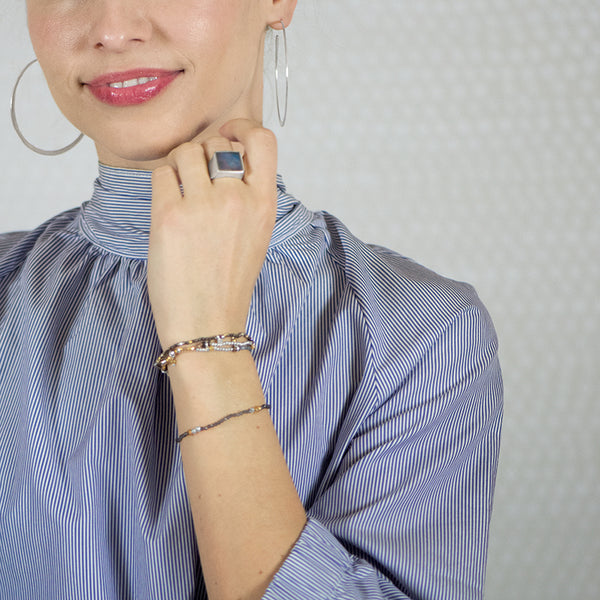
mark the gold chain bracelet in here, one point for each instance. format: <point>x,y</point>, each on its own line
<point>230,342</point>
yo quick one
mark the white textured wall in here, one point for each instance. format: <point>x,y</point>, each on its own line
<point>465,134</point>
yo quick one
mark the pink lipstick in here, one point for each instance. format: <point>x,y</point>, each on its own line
<point>127,88</point>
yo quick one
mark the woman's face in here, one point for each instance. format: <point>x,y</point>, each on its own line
<point>142,76</point>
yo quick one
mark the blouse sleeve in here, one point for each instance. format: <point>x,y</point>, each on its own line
<point>407,514</point>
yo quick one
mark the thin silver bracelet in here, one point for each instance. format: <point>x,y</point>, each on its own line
<point>199,429</point>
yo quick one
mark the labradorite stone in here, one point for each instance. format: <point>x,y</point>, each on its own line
<point>229,161</point>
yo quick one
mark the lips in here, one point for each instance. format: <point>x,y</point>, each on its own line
<point>127,88</point>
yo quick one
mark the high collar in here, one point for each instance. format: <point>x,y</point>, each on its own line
<point>117,217</point>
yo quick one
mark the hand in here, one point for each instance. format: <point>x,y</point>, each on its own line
<point>208,245</point>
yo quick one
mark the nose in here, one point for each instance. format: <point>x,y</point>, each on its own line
<point>115,25</point>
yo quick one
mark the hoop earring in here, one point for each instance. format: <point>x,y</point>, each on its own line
<point>13,116</point>
<point>287,76</point>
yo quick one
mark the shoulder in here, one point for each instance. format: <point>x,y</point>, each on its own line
<point>16,246</point>
<point>429,340</point>
<point>394,283</point>
<point>406,308</point>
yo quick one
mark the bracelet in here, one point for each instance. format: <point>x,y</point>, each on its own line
<point>230,342</point>
<point>248,411</point>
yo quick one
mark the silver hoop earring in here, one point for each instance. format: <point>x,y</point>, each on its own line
<point>13,116</point>
<point>287,76</point>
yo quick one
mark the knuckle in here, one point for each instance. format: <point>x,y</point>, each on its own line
<point>162,171</point>
<point>216,141</point>
<point>264,136</point>
<point>186,149</point>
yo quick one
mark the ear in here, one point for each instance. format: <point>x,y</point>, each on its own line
<point>281,10</point>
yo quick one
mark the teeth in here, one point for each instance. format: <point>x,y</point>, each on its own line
<point>131,82</point>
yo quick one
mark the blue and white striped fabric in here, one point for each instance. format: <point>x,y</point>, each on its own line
<point>385,391</point>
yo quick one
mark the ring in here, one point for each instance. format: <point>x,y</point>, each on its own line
<point>226,164</point>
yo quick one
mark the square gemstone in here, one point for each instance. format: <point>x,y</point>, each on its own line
<point>229,161</point>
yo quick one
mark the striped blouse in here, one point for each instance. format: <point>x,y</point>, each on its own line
<point>384,387</point>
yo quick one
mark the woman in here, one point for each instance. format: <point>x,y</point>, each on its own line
<point>350,454</point>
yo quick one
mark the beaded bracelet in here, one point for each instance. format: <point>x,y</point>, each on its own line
<point>199,429</point>
<point>230,342</point>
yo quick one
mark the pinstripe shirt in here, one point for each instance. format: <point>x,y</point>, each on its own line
<point>385,392</point>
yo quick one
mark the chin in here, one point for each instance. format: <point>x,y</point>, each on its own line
<point>139,152</point>
<point>131,144</point>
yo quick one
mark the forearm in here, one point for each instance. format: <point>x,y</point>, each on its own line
<point>206,250</point>
<point>247,513</point>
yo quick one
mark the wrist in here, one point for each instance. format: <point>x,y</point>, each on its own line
<point>207,386</point>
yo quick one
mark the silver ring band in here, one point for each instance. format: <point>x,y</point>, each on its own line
<point>226,164</point>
